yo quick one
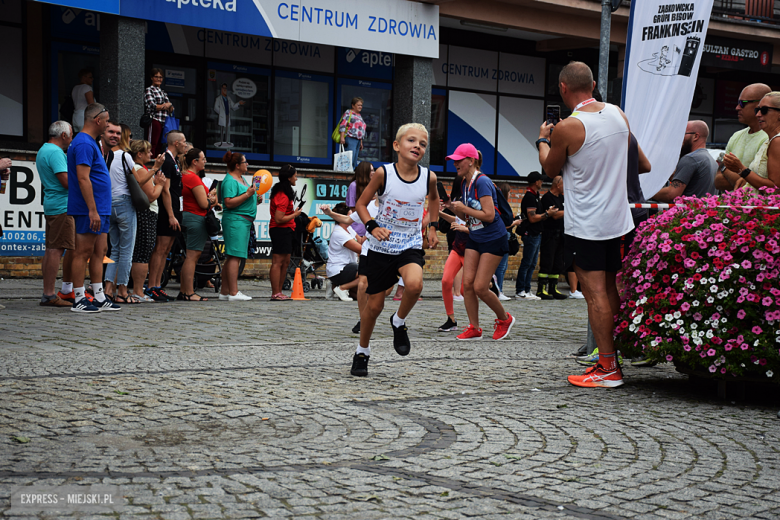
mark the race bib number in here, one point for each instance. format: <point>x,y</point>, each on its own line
<point>403,214</point>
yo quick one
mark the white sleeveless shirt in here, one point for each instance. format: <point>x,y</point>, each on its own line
<point>595,178</point>
<point>401,206</point>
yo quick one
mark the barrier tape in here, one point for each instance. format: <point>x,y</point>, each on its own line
<point>668,206</point>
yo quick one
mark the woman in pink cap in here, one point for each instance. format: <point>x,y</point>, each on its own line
<point>486,245</point>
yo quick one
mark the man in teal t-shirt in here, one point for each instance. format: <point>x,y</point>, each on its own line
<point>52,164</point>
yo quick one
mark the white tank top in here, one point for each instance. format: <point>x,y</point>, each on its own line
<point>595,178</point>
<point>401,206</point>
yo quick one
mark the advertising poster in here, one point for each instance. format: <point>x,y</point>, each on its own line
<point>237,110</point>
<point>663,53</point>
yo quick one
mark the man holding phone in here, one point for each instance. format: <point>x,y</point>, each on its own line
<point>590,150</point>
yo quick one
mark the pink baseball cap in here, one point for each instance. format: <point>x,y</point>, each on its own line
<point>463,151</point>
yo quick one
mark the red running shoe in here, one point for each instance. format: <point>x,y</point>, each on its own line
<point>597,376</point>
<point>503,327</point>
<point>470,334</point>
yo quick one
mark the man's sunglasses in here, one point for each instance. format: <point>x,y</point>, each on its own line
<point>745,102</point>
<point>765,109</point>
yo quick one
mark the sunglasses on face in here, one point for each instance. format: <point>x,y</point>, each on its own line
<point>765,109</point>
<point>744,102</point>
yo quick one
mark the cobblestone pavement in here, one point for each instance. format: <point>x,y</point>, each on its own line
<point>242,410</point>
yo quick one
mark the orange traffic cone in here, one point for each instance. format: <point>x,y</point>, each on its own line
<point>106,260</point>
<point>297,293</point>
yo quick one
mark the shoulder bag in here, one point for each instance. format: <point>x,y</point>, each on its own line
<point>137,195</point>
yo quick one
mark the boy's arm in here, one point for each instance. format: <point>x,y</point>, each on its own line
<point>361,206</point>
<point>433,210</point>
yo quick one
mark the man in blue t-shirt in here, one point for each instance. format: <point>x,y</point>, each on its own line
<point>52,165</point>
<point>89,202</point>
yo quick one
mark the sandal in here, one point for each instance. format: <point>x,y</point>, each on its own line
<point>188,297</point>
<point>280,297</point>
<point>124,300</point>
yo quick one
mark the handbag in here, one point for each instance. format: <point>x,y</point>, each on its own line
<point>146,121</point>
<point>514,244</point>
<point>137,195</point>
<point>336,135</point>
<point>342,161</point>
<point>213,225</point>
<point>171,123</point>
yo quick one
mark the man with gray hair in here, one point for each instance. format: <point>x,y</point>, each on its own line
<point>696,169</point>
<point>52,164</point>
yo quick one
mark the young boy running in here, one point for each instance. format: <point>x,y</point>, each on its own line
<point>395,237</point>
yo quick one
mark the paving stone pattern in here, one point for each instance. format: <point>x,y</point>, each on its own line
<point>247,410</point>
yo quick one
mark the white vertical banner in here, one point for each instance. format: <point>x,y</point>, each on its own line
<point>663,52</point>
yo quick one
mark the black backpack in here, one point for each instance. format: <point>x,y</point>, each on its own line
<point>504,209</point>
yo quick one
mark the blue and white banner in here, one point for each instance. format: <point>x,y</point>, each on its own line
<point>663,52</point>
<point>395,26</point>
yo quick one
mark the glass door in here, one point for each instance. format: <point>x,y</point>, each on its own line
<point>377,112</point>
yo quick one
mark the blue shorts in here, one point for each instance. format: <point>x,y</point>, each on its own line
<point>82,224</point>
<point>498,246</point>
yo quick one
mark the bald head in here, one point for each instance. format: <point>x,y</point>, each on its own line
<point>700,127</point>
<point>577,77</point>
<point>755,91</point>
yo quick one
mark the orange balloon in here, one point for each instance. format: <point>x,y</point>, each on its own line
<point>262,179</point>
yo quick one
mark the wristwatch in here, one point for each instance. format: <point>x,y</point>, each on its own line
<point>744,173</point>
<point>434,225</point>
<point>542,140</point>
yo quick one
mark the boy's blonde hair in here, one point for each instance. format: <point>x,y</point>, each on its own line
<point>405,128</point>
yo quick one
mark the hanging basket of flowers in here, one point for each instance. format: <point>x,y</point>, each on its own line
<point>701,287</point>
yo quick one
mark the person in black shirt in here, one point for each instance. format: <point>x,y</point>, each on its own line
<point>531,233</point>
<point>169,216</point>
<point>551,251</point>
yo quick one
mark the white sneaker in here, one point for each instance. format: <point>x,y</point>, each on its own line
<point>531,296</point>
<point>457,298</point>
<point>521,295</point>
<point>328,290</point>
<point>239,297</point>
<point>223,297</point>
<point>576,295</point>
<point>342,294</point>
<point>503,297</point>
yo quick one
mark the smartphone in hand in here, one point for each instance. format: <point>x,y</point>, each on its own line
<point>553,114</point>
<point>442,193</point>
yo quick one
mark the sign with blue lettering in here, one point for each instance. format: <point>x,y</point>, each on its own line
<point>522,75</point>
<point>365,64</point>
<point>101,6</point>
<point>472,68</point>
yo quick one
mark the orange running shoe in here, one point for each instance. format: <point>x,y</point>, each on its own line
<point>597,376</point>
<point>70,297</point>
<point>470,334</point>
<point>503,327</point>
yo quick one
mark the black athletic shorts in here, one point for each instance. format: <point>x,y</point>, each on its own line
<point>363,265</point>
<point>382,271</point>
<point>163,224</point>
<point>592,255</point>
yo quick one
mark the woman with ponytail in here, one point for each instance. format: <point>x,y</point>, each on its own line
<point>282,229</point>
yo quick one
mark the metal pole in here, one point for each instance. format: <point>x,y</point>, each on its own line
<point>606,18</point>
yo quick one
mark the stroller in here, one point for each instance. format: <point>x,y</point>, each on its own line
<point>309,254</point>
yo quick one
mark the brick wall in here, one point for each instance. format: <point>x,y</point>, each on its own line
<point>30,266</point>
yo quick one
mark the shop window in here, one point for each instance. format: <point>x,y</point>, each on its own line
<point>377,109</point>
<point>237,110</point>
<point>67,60</point>
<point>437,148</point>
<point>302,118</point>
<point>472,119</point>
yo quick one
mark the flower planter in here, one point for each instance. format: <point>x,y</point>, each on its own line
<point>701,288</point>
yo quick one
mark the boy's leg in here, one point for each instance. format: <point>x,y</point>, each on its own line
<point>368,315</point>
<point>412,275</point>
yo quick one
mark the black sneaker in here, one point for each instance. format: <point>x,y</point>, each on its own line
<point>356,328</point>
<point>165,295</point>
<point>359,365</point>
<point>106,305</point>
<point>449,325</point>
<point>153,293</point>
<point>582,351</point>
<point>401,342</point>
